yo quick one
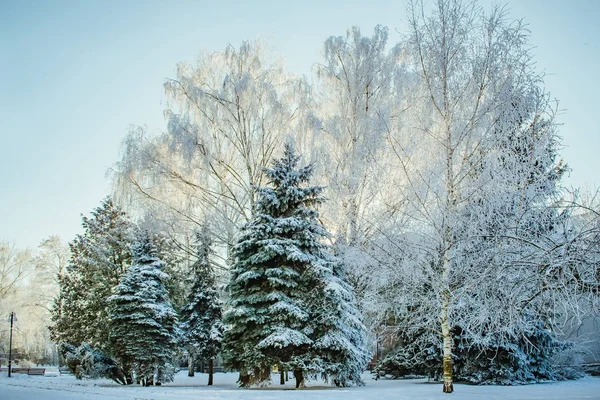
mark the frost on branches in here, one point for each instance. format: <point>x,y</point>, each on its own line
<point>441,158</point>
<point>88,363</point>
<point>476,152</point>
<point>287,305</point>
<point>226,116</point>
<point>142,320</point>
<point>201,326</point>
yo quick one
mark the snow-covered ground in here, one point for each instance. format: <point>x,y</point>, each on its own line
<point>66,387</point>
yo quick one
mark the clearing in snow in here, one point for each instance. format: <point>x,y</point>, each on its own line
<point>66,387</point>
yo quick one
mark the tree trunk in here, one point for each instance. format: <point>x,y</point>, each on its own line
<point>244,379</point>
<point>448,242</point>
<point>299,376</point>
<point>211,371</point>
<point>281,376</point>
<point>445,311</point>
<point>353,221</point>
<point>447,340</point>
<point>156,377</point>
<point>191,364</point>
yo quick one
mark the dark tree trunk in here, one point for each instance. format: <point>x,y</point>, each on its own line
<point>281,377</point>
<point>244,379</point>
<point>299,376</point>
<point>211,371</point>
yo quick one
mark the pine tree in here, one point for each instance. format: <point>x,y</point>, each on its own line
<point>340,336</point>
<point>201,325</point>
<point>142,319</point>
<point>98,258</point>
<point>284,305</point>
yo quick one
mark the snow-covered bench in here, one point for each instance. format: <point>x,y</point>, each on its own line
<point>36,371</point>
<point>52,372</point>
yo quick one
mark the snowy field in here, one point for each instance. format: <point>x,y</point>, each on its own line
<point>66,387</point>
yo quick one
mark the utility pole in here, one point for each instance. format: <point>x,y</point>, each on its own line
<point>12,321</point>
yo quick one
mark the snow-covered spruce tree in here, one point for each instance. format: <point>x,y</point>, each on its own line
<point>267,317</point>
<point>87,362</point>
<point>98,258</point>
<point>201,326</point>
<point>339,335</point>
<point>521,360</point>
<point>525,359</point>
<point>286,304</point>
<point>176,258</point>
<point>142,319</point>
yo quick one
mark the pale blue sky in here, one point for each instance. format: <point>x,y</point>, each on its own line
<point>75,74</point>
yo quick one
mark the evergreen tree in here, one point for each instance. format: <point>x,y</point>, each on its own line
<point>340,336</point>
<point>284,305</point>
<point>142,319</point>
<point>526,359</point>
<point>176,257</point>
<point>201,326</point>
<point>87,362</point>
<point>98,258</point>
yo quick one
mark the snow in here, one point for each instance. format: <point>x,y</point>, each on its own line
<point>225,388</point>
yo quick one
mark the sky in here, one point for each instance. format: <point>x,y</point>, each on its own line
<point>75,75</point>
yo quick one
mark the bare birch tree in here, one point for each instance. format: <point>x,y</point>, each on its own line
<point>15,265</point>
<point>228,115</point>
<point>355,108</point>
<point>472,87</point>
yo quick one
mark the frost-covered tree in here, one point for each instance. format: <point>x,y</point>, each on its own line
<point>50,267</point>
<point>354,108</point>
<point>201,326</point>
<point>227,114</point>
<point>35,298</point>
<point>142,319</point>
<point>464,186</point>
<point>19,293</point>
<point>575,255</point>
<point>526,358</point>
<point>287,306</point>
<point>98,259</point>
<point>15,265</point>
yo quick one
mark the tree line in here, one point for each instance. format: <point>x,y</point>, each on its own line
<point>288,303</point>
<point>451,241</point>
